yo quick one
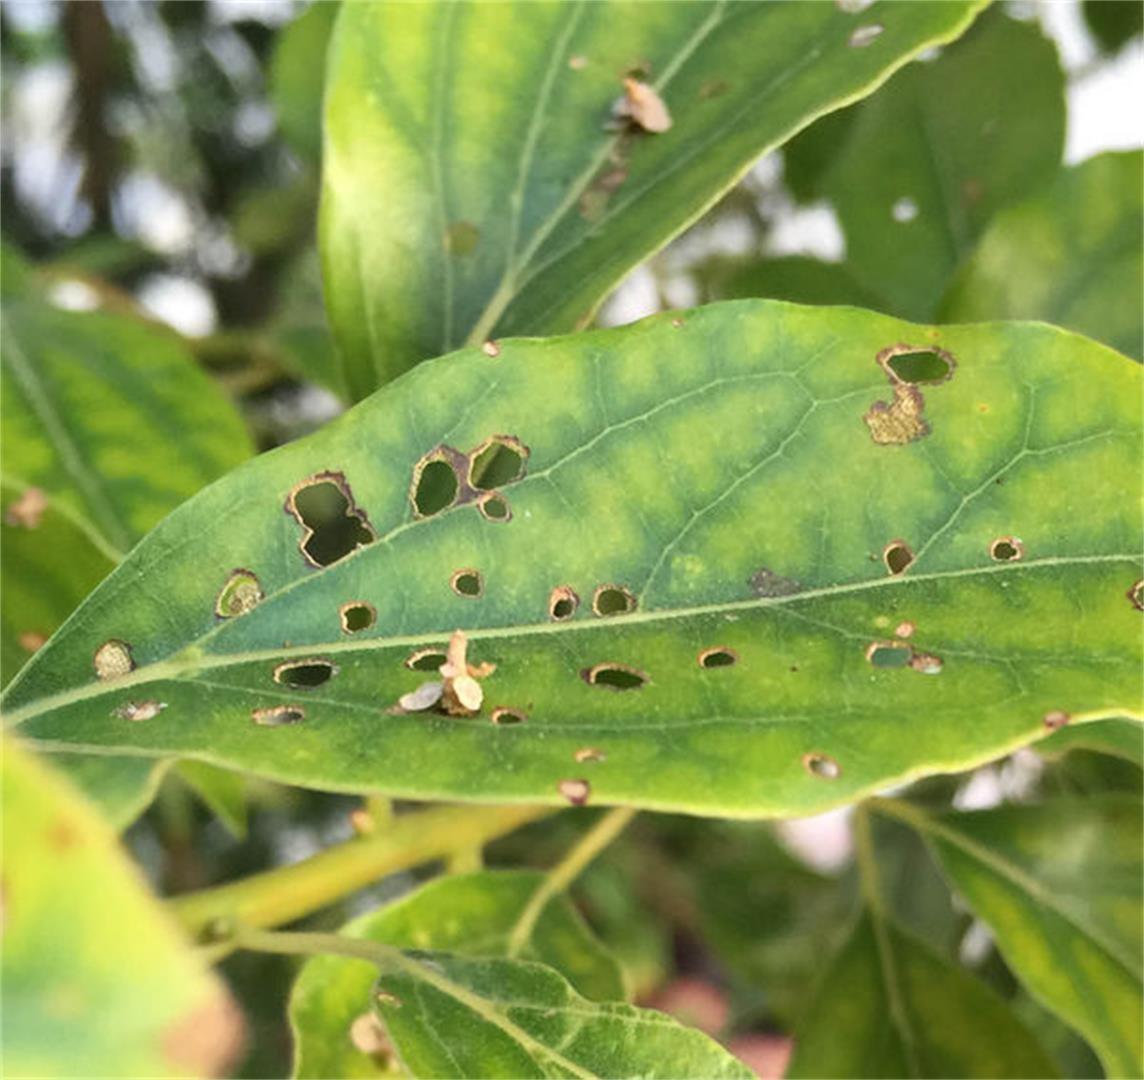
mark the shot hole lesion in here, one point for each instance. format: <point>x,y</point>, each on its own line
<point>499,460</point>
<point>562,603</point>
<point>897,556</point>
<point>333,525</point>
<point>612,676</point>
<point>278,715</point>
<point>505,715</point>
<point>305,674</point>
<point>1006,549</point>
<point>822,766</point>
<point>425,659</point>
<point>718,656</point>
<point>356,616</point>
<point>467,583</point>
<point>610,600</point>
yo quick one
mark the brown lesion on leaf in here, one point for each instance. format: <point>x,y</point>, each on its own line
<point>562,603</point>
<point>902,419</point>
<point>242,592</point>
<point>26,511</point>
<point>897,555</point>
<point>1006,549</point>
<point>32,640</point>
<point>1136,595</point>
<point>1055,719</point>
<point>138,711</point>
<point>905,629</point>
<point>766,583</point>
<point>642,107</point>
<point>589,754</point>
<point>333,525</point>
<point>718,656</point>
<point>575,791</point>
<point>503,714</point>
<point>610,600</point>
<point>367,1034</point>
<point>356,616</point>
<point>821,765</point>
<point>278,715</point>
<point>615,676</point>
<point>467,583</point>
<point>113,659</point>
<point>305,674</point>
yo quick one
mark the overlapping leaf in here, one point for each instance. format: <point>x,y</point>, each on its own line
<point>733,475</point>
<point>473,185</point>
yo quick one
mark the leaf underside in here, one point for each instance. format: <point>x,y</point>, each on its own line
<point>719,469</point>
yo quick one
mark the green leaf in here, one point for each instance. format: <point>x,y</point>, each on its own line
<point>96,979</point>
<point>1059,885</point>
<point>456,1016</point>
<point>1121,738</point>
<point>1113,22</point>
<point>723,468</point>
<point>938,152</point>
<point>297,75</point>
<point>1069,255</point>
<point>471,914</point>
<point>797,278</point>
<point>473,189</point>
<point>890,1006</point>
<point>122,787</point>
<point>223,791</point>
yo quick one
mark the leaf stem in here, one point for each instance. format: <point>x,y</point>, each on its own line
<point>566,871</point>
<point>286,893</point>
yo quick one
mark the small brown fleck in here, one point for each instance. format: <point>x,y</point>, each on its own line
<point>491,348</point>
<point>643,107</point>
<point>139,710</point>
<point>1056,719</point>
<point>502,714</point>
<point>897,555</point>
<point>1006,549</point>
<point>610,600</point>
<point>32,640</point>
<point>113,659</point>
<point>278,715</point>
<point>28,509</point>
<point>575,791</point>
<point>368,1037</point>
<point>822,766</point>
<point>241,593</point>
<point>589,753</point>
<point>384,997</point>
<point>926,663</point>
<point>677,324</point>
<point>1136,595</point>
<point>905,629</point>
<point>718,656</point>
<point>562,603</point>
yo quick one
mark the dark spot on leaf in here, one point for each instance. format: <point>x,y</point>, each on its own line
<point>278,715</point>
<point>461,238</point>
<point>240,594</point>
<point>502,714</point>
<point>1006,549</point>
<point>425,659</point>
<point>822,766</point>
<point>614,677</point>
<point>1136,595</point>
<point>1056,719</point>
<point>356,616</point>
<point>897,556</point>
<point>333,526</point>
<point>562,603</point>
<point>304,674</point>
<point>589,753</point>
<point>499,460</point>
<point>767,583</point>
<point>864,35</point>
<point>113,659</point>
<point>435,484</point>
<point>575,791</point>
<point>467,583</point>
<point>889,654</point>
<point>137,711</point>
<point>613,600</point>
<point>718,656</point>
<point>494,507</point>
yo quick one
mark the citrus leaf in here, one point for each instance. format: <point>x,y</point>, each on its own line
<point>1069,255</point>
<point>890,1006</point>
<point>470,914</point>
<point>450,1015</point>
<point>733,476</point>
<point>473,186</point>
<point>1059,885</point>
<point>77,916</point>
<point>941,149</point>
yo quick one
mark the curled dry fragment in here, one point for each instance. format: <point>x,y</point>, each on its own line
<point>458,693</point>
<point>643,107</point>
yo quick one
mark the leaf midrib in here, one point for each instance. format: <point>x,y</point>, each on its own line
<point>192,659</point>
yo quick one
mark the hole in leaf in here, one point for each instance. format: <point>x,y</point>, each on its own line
<point>113,659</point>
<point>278,715</point>
<point>575,791</point>
<point>889,654</point>
<point>613,600</point>
<point>822,766</point>
<point>434,487</point>
<point>467,583</point>
<point>1136,595</point>
<point>718,656</point>
<point>1006,549</point>
<point>240,594</point>
<point>563,602</point>
<point>138,711</point>
<point>589,753</point>
<point>334,526</point>
<point>356,616</point>
<point>494,507</point>
<point>614,677</point>
<point>425,660</point>
<point>499,460</point>
<point>1056,719</point>
<point>921,366</point>
<point>897,556</point>
<point>304,674</point>
<point>502,714</point>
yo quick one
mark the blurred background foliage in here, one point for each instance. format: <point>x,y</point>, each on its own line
<point>160,162</point>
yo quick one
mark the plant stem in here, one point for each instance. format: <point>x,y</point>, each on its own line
<point>281,895</point>
<point>566,871</point>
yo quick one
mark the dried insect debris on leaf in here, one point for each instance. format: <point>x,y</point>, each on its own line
<point>458,693</point>
<point>642,106</point>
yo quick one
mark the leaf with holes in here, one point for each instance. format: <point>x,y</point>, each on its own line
<point>929,160</point>
<point>888,1005</point>
<point>479,180</point>
<point>1059,885</point>
<point>760,559</point>
<point>76,917</point>
<point>1070,255</point>
<point>450,1015</point>
<point>470,914</point>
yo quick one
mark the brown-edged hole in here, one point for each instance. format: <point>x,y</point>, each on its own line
<point>1006,549</point>
<point>425,660</point>
<point>499,460</point>
<point>921,366</point>
<point>613,600</point>
<point>304,674</point>
<point>614,677</point>
<point>435,487</point>
<point>357,616</point>
<point>897,556</point>
<point>718,656</point>
<point>502,714</point>
<point>562,603</point>
<point>822,766</point>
